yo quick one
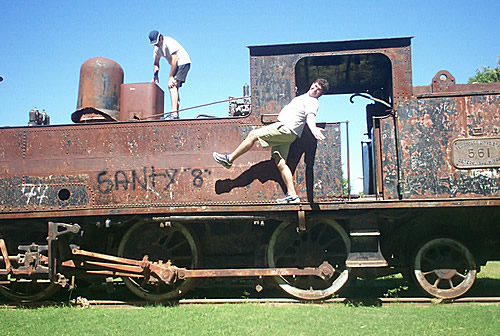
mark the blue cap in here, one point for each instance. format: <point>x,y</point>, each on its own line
<point>154,36</point>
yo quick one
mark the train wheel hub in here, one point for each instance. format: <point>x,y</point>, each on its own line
<point>445,273</point>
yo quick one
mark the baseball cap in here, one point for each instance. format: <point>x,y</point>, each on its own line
<point>154,36</point>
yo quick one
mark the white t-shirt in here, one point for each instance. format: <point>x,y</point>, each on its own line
<point>169,47</point>
<point>295,113</point>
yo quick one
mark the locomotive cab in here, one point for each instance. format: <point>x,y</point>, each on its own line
<point>378,70</point>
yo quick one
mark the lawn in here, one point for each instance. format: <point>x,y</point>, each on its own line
<point>252,319</point>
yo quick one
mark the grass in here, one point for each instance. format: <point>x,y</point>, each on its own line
<point>251,319</point>
<point>263,319</point>
<point>491,270</point>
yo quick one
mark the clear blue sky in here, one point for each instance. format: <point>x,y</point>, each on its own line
<point>44,43</point>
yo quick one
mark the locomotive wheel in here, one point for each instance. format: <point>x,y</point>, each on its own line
<point>173,243</point>
<point>322,241</point>
<point>444,268</point>
<point>28,290</point>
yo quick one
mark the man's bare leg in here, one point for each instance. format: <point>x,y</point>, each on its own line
<point>286,175</point>
<point>174,98</point>
<point>243,147</point>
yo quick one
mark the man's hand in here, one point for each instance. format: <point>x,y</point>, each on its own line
<point>156,71</point>
<point>172,82</point>
<point>318,133</point>
<point>155,78</point>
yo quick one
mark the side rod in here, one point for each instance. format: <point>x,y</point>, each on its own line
<point>169,273</point>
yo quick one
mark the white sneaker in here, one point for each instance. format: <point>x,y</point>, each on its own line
<point>289,199</point>
<point>222,159</point>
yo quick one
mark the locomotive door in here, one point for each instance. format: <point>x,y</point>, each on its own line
<point>384,156</point>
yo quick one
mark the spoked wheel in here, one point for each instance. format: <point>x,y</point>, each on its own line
<point>173,243</point>
<point>322,241</point>
<point>24,288</point>
<point>28,290</point>
<point>444,268</point>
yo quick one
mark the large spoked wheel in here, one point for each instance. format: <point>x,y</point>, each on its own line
<point>23,288</point>
<point>322,241</point>
<point>444,268</point>
<point>173,243</point>
<point>28,290</point>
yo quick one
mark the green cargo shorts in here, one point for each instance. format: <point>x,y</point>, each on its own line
<point>277,136</point>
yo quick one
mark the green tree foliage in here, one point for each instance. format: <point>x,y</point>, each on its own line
<point>487,74</point>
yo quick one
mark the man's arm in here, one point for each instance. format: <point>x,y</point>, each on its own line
<point>156,70</point>
<point>316,131</point>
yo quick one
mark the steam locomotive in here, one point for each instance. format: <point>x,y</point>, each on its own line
<point>124,193</point>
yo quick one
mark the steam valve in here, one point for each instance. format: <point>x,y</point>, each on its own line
<point>38,118</point>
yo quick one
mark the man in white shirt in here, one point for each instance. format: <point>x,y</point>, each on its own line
<point>280,135</point>
<point>179,62</point>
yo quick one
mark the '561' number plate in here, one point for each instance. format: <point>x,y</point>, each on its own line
<point>476,153</point>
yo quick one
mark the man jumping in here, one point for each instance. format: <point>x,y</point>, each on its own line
<point>280,135</point>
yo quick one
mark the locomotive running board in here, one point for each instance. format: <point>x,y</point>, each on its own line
<point>169,273</point>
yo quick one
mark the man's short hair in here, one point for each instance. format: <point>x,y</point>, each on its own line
<point>323,83</point>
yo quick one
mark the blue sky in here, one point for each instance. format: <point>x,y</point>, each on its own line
<point>44,43</point>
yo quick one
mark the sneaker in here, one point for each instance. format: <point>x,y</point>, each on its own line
<point>172,116</point>
<point>289,199</point>
<point>222,159</point>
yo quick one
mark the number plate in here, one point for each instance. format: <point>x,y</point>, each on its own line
<point>476,153</point>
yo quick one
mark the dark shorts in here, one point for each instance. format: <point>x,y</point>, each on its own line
<point>181,73</point>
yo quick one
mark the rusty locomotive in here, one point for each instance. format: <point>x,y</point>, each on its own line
<point>125,193</point>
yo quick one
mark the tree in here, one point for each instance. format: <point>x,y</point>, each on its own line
<point>487,74</point>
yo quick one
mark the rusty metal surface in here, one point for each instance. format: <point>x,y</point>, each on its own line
<point>154,164</point>
<point>388,168</point>
<point>324,271</point>
<point>169,273</point>
<point>431,128</point>
<point>99,90</point>
<point>141,101</point>
<point>275,82</point>
<point>30,260</point>
<point>443,84</point>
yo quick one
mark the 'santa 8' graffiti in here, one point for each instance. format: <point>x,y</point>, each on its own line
<point>148,178</point>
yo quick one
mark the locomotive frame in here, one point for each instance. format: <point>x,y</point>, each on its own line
<point>151,188</point>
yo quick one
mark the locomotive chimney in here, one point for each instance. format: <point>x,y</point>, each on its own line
<point>98,91</point>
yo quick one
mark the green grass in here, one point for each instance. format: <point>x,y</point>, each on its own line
<point>251,319</point>
<point>491,270</point>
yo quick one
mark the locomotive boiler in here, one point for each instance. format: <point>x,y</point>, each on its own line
<point>123,193</point>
